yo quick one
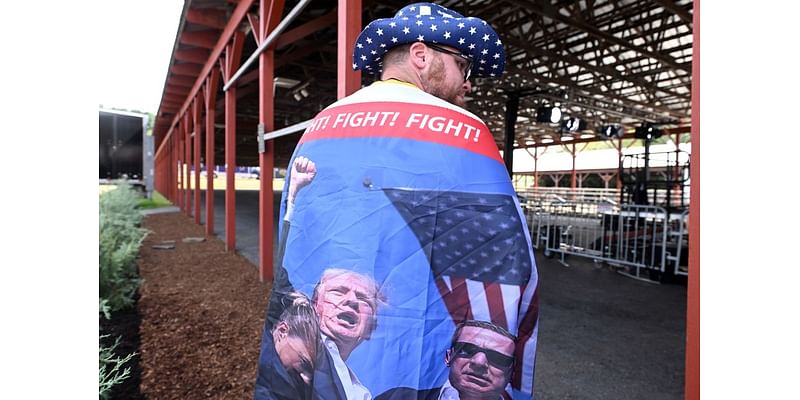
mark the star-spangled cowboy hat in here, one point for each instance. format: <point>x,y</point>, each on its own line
<point>431,23</point>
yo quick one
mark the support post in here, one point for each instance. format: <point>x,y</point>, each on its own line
<point>692,371</point>
<point>210,93</point>
<point>573,181</point>
<point>233,55</point>
<point>349,26</point>
<point>512,105</point>
<point>197,136</point>
<point>187,154</point>
<point>181,169</point>
<point>270,13</point>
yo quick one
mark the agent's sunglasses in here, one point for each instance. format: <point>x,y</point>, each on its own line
<point>469,350</point>
<point>468,71</point>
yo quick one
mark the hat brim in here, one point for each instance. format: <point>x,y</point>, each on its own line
<point>471,36</point>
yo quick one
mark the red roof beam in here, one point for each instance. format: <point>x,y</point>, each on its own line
<point>174,97</point>
<point>196,55</point>
<point>181,81</point>
<point>207,17</point>
<point>233,23</point>
<point>176,90</point>
<point>205,39</point>
<point>306,29</point>
<point>185,69</point>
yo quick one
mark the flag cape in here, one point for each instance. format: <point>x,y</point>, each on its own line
<point>411,191</point>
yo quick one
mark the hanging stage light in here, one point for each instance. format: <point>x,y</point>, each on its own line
<point>547,114</point>
<point>647,131</point>
<point>611,132</point>
<point>573,124</point>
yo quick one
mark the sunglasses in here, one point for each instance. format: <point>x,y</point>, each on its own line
<point>469,350</point>
<point>468,71</point>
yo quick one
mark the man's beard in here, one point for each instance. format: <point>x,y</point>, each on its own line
<point>434,83</point>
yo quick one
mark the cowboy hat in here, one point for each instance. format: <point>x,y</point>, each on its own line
<point>431,23</point>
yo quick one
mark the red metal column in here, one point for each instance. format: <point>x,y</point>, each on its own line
<point>174,170</point>
<point>233,55</point>
<point>270,16</point>
<point>187,149</point>
<point>692,371</point>
<point>349,26</point>
<point>210,93</point>
<point>180,155</point>
<point>197,136</point>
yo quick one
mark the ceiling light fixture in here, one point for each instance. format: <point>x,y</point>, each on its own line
<point>610,132</point>
<point>647,131</point>
<point>547,114</point>
<point>573,124</point>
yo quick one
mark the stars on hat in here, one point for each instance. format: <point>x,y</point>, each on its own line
<point>434,27</point>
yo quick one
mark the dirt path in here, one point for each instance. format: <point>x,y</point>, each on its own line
<point>202,315</point>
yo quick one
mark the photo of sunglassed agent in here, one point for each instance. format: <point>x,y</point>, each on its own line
<point>481,360</point>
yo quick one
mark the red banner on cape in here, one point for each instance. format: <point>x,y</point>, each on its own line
<point>404,120</point>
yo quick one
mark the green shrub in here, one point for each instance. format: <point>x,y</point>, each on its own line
<point>120,240</point>
<point>111,372</point>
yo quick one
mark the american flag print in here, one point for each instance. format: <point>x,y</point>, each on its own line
<point>414,194</point>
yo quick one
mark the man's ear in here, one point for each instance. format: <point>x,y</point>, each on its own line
<point>418,55</point>
<point>283,328</point>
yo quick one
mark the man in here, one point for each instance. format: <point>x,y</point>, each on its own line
<point>480,358</point>
<point>410,191</point>
<point>347,304</point>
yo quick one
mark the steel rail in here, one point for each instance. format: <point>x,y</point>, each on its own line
<point>271,38</point>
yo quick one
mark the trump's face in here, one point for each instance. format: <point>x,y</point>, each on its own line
<point>480,362</point>
<point>346,307</point>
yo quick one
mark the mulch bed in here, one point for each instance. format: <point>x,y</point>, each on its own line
<point>202,314</point>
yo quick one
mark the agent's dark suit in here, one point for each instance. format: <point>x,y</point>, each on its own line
<point>326,383</point>
<point>273,382</point>
<point>406,393</point>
